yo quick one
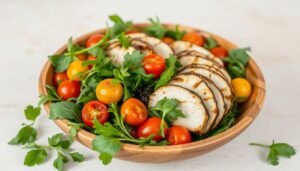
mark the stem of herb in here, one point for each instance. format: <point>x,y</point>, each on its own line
<point>260,145</point>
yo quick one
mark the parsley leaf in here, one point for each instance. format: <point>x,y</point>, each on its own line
<point>60,62</point>
<point>156,29</point>
<point>65,110</point>
<point>167,110</point>
<point>124,40</point>
<point>51,96</point>
<point>210,43</point>
<point>77,157</point>
<point>133,60</point>
<point>35,157</point>
<point>119,26</point>
<point>277,150</point>
<point>175,34</point>
<point>31,113</point>
<point>172,64</point>
<point>59,162</point>
<point>26,135</point>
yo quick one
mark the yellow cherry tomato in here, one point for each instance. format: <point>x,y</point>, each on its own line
<point>108,91</point>
<point>75,70</point>
<point>242,89</point>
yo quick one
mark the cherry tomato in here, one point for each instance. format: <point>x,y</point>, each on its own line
<point>108,91</point>
<point>91,58</point>
<point>154,64</point>
<point>194,38</point>
<point>242,89</point>
<point>93,39</point>
<point>69,89</point>
<point>131,32</point>
<point>168,40</point>
<point>178,135</point>
<point>134,111</point>
<point>81,57</point>
<point>151,127</point>
<point>219,52</point>
<point>59,78</point>
<point>94,109</point>
<point>76,70</point>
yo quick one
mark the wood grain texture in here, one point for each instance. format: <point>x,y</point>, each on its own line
<point>250,110</point>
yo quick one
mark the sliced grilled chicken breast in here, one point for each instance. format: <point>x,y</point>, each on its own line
<point>182,46</point>
<point>198,85</point>
<point>117,53</point>
<point>191,105</point>
<point>221,82</point>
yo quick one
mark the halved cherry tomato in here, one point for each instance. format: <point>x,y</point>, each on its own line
<point>69,89</point>
<point>81,57</point>
<point>59,78</point>
<point>151,127</point>
<point>76,70</point>
<point>134,111</point>
<point>154,64</point>
<point>178,135</point>
<point>168,40</point>
<point>242,89</point>
<point>108,91</point>
<point>94,109</point>
<point>94,39</point>
<point>194,38</point>
<point>219,52</point>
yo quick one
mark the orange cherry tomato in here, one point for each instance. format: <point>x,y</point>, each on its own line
<point>131,32</point>
<point>69,89</point>
<point>219,52</point>
<point>194,38</point>
<point>75,70</point>
<point>168,40</point>
<point>154,64</point>
<point>242,89</point>
<point>94,109</point>
<point>134,111</point>
<point>108,91</point>
<point>151,127</point>
<point>81,57</point>
<point>94,39</point>
<point>59,78</point>
<point>178,135</point>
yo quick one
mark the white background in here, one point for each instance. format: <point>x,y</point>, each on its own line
<point>32,29</point>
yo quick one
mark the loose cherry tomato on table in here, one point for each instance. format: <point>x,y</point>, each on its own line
<point>168,40</point>
<point>59,78</point>
<point>75,70</point>
<point>93,39</point>
<point>108,91</point>
<point>81,57</point>
<point>242,89</point>
<point>94,109</point>
<point>178,135</point>
<point>154,64</point>
<point>134,112</point>
<point>69,89</point>
<point>151,127</point>
<point>194,38</point>
<point>219,52</point>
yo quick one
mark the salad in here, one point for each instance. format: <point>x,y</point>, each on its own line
<point>151,86</point>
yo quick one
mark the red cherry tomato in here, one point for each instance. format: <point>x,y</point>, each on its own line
<point>194,38</point>
<point>94,39</point>
<point>151,127</point>
<point>69,89</point>
<point>94,109</point>
<point>154,64</point>
<point>168,40</point>
<point>131,32</point>
<point>178,135</point>
<point>81,57</point>
<point>134,111</point>
<point>91,58</point>
<point>59,78</point>
<point>219,52</point>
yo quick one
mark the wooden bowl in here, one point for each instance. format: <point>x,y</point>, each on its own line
<point>134,153</point>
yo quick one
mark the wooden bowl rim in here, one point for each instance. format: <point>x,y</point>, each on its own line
<point>86,137</point>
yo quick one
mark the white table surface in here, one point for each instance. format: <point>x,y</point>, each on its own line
<point>32,29</point>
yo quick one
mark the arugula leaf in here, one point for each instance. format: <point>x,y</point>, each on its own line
<point>59,162</point>
<point>124,40</point>
<point>175,34</point>
<point>133,60</point>
<point>119,26</point>
<point>237,60</point>
<point>107,146</point>
<point>65,110</point>
<point>210,43</point>
<point>60,62</point>
<point>156,29</point>
<point>35,157</point>
<point>77,157</point>
<point>171,68</point>
<point>26,135</point>
<point>277,150</point>
<point>167,110</point>
<point>31,113</point>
